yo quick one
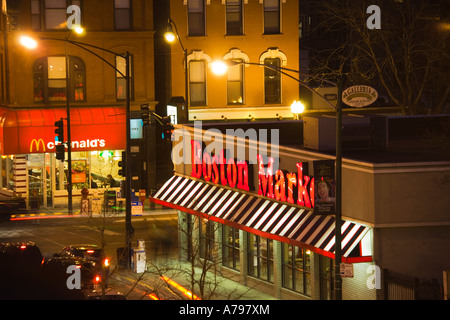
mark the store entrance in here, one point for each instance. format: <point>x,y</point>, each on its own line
<point>39,181</point>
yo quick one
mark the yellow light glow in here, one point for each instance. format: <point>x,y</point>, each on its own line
<point>78,29</point>
<point>28,42</point>
<point>169,36</point>
<point>218,67</point>
<point>297,107</point>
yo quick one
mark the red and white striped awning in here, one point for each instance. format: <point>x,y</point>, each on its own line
<point>263,216</point>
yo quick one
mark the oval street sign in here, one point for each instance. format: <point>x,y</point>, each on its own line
<point>359,96</point>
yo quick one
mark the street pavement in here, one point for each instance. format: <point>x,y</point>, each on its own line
<point>165,278</point>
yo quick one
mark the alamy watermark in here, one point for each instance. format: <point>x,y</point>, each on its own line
<point>374,20</point>
<point>237,144</point>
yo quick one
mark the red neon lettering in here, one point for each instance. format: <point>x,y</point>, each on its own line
<point>243,175</point>
<point>196,159</point>
<point>265,181</point>
<point>231,173</point>
<point>280,187</point>
<point>222,161</point>
<point>291,181</point>
<point>303,198</point>
<point>207,168</point>
<point>215,170</point>
<point>311,192</point>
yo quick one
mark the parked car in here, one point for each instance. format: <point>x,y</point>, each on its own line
<point>92,253</point>
<point>10,203</point>
<point>20,265</point>
<point>56,275</point>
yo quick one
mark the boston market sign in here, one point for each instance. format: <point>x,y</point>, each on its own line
<point>290,187</point>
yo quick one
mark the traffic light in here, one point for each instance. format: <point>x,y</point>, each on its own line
<point>145,115</point>
<point>122,165</point>
<point>60,147</point>
<point>167,128</point>
<point>59,131</point>
<point>60,151</point>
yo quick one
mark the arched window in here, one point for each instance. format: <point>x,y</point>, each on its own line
<point>50,79</point>
<point>273,59</point>
<point>197,66</point>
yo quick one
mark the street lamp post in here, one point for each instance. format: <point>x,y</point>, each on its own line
<point>338,163</point>
<point>30,43</point>
<point>170,37</point>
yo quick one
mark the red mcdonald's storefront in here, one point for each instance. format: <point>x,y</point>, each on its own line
<point>27,146</point>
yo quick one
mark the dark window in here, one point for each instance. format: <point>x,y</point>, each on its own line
<point>122,14</point>
<point>50,79</point>
<point>260,257</point>
<point>196,17</point>
<point>272,81</point>
<point>36,15</point>
<point>271,16</point>
<point>55,13</point>
<point>296,266</point>
<point>230,247</point>
<point>206,238</point>
<point>234,17</point>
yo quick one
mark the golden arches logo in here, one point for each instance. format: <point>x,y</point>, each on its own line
<point>37,143</point>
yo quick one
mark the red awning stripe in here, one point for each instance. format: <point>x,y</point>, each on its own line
<point>252,213</point>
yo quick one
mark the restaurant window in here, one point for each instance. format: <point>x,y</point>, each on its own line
<point>234,17</point>
<point>235,84</point>
<point>121,81</point>
<point>296,269</point>
<point>122,14</point>
<point>260,257</point>
<point>197,82</point>
<point>272,81</point>
<point>50,79</point>
<point>230,247</point>
<point>196,17</point>
<point>326,278</point>
<point>55,13</point>
<point>206,239</point>
<point>272,16</point>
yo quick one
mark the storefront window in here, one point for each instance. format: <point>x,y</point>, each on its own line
<point>296,266</point>
<point>260,257</point>
<point>230,247</point>
<point>206,236</point>
<point>326,278</point>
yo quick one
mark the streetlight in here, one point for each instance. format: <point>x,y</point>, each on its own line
<point>170,37</point>
<point>127,76</point>
<point>297,109</point>
<point>219,67</point>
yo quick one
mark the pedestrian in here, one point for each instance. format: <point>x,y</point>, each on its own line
<point>112,182</point>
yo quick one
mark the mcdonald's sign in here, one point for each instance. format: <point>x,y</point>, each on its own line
<point>37,143</point>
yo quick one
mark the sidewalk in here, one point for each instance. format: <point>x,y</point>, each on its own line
<point>178,280</point>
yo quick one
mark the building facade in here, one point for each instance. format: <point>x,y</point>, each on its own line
<point>89,70</point>
<point>250,33</point>
<point>249,205</point>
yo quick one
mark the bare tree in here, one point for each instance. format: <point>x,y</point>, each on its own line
<point>408,57</point>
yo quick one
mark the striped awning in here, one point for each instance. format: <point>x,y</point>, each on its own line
<point>262,216</point>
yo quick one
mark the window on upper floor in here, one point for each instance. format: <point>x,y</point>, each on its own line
<point>50,79</point>
<point>234,17</point>
<point>272,81</point>
<point>196,17</point>
<point>55,14</point>
<point>121,81</point>
<point>197,82</point>
<point>235,84</point>
<point>272,14</point>
<point>122,15</point>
